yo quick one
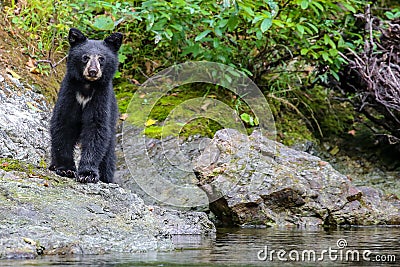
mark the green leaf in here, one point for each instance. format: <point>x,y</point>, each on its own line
<point>247,118</point>
<point>202,35</point>
<point>333,52</point>
<point>218,31</point>
<point>304,51</point>
<point>266,24</point>
<point>233,22</point>
<point>257,19</point>
<point>312,26</point>
<point>349,7</point>
<point>326,57</point>
<point>192,49</point>
<point>256,122</point>
<point>300,29</point>
<point>304,4</point>
<point>335,75</point>
<point>216,42</point>
<point>389,15</point>
<point>103,23</point>
<point>122,58</point>
<point>248,10</point>
<point>259,34</point>
<point>149,21</point>
<point>159,25</point>
<point>326,39</point>
<point>318,5</point>
<point>177,27</point>
<point>278,23</point>
<point>168,33</point>
<point>222,23</point>
<point>332,44</point>
<point>308,30</point>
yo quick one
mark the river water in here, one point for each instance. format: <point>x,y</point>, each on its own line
<point>359,246</point>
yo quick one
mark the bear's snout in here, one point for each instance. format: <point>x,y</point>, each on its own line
<point>92,71</point>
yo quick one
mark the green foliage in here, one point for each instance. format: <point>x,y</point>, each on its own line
<point>393,14</point>
<point>285,46</point>
<point>254,36</point>
<point>42,23</point>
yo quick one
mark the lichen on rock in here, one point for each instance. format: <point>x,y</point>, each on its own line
<point>256,181</point>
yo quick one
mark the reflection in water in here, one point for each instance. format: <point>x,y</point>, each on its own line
<point>243,247</point>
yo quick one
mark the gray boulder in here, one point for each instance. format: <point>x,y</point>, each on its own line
<point>23,123</point>
<point>56,215</point>
<point>251,180</point>
<point>160,171</point>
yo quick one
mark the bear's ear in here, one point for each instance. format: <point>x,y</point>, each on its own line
<point>114,41</point>
<point>76,37</point>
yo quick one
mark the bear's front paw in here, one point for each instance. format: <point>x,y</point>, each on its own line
<point>88,177</point>
<point>52,167</point>
<point>64,172</point>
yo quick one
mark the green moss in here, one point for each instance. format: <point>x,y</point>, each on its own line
<point>16,165</point>
<point>291,128</point>
<point>185,111</point>
<point>295,131</point>
<point>312,115</point>
<point>124,91</point>
<point>318,116</point>
<point>202,126</point>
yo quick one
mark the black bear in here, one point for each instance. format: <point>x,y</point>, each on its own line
<point>86,110</point>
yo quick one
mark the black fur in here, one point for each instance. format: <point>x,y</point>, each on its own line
<point>90,123</point>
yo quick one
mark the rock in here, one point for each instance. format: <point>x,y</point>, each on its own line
<point>56,215</point>
<point>160,171</point>
<point>173,222</point>
<point>256,181</point>
<point>23,124</point>
<point>41,213</point>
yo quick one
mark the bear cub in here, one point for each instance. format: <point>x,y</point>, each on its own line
<point>86,110</point>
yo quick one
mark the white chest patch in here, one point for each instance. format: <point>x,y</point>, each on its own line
<point>82,99</point>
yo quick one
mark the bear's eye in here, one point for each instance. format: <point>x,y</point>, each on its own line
<point>101,59</point>
<point>85,58</point>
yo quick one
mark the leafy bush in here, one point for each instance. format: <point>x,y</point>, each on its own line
<point>286,46</point>
<point>255,36</point>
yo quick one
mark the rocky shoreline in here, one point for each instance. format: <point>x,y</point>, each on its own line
<point>249,180</point>
<point>43,214</point>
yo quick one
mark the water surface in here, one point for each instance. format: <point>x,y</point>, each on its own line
<point>257,247</point>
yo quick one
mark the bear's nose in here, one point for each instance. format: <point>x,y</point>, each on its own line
<point>92,73</point>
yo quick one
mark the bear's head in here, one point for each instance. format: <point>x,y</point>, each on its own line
<point>93,60</point>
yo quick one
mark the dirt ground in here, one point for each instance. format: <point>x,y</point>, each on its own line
<point>17,61</point>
